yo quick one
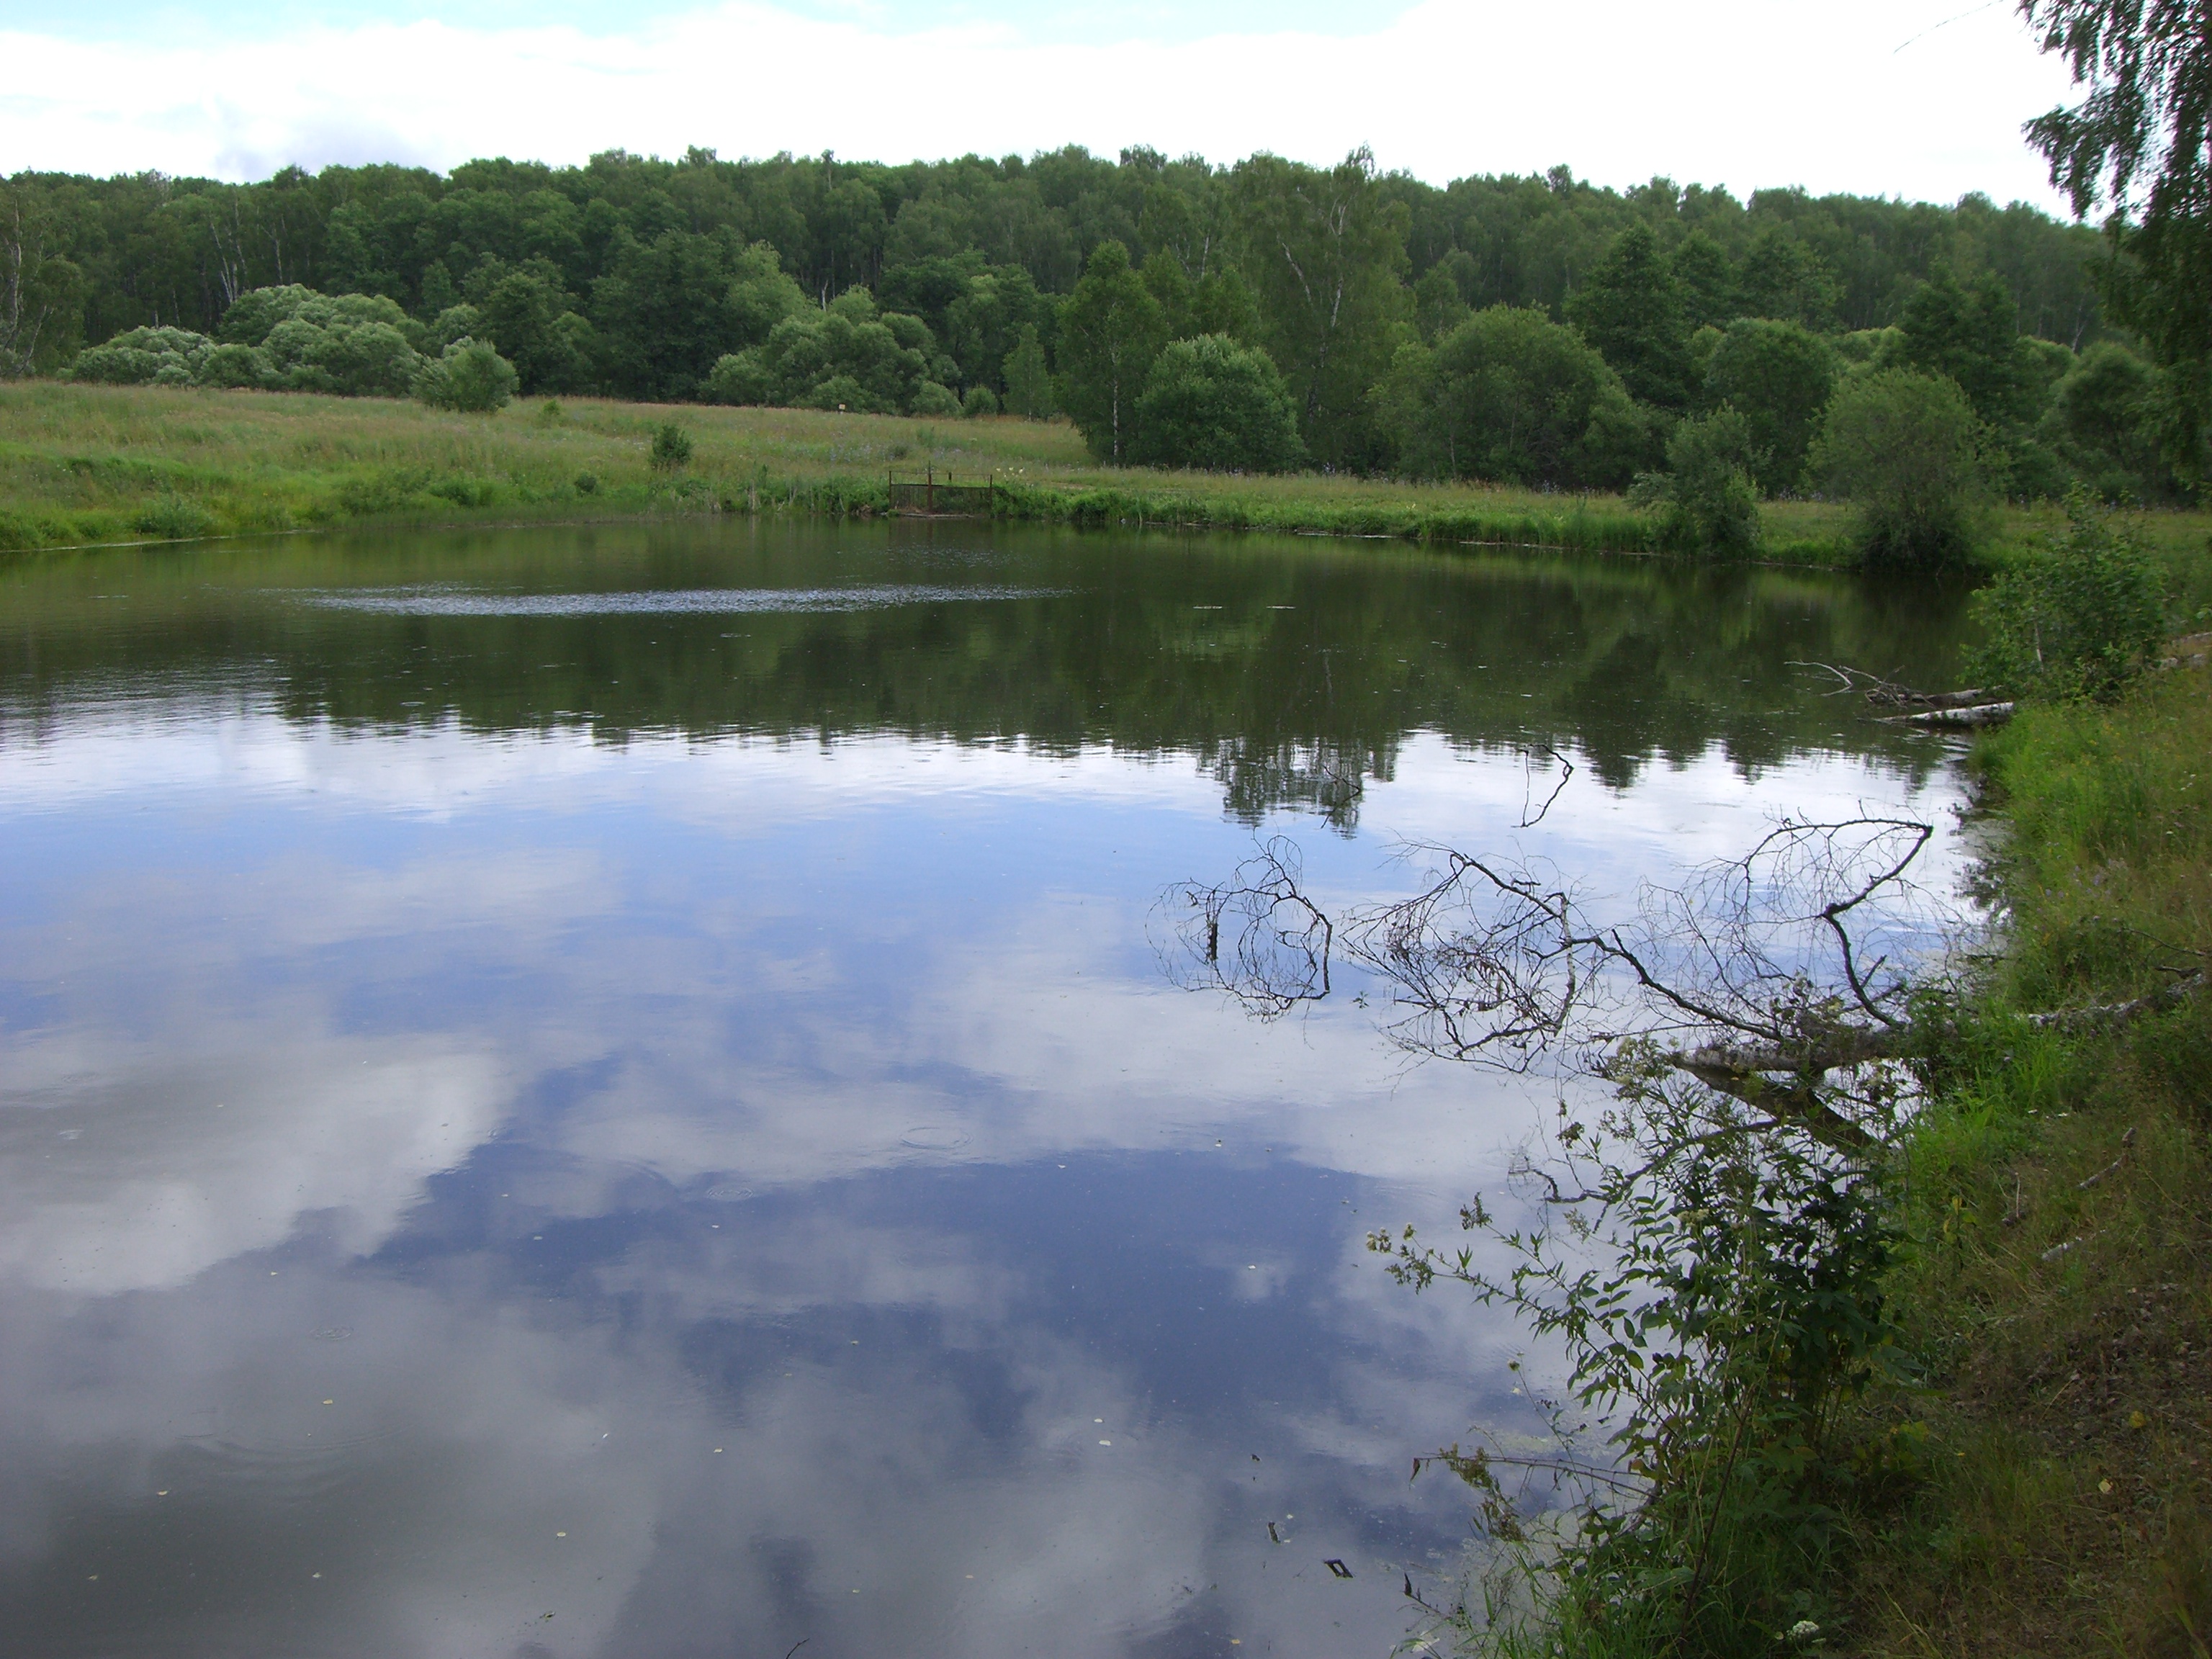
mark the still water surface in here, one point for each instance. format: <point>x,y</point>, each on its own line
<point>609,1092</point>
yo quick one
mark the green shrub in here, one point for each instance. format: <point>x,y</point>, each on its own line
<point>1780,376</point>
<point>2081,619</point>
<point>1707,498</point>
<point>1907,449</point>
<point>934,399</point>
<point>233,365</point>
<point>471,377</point>
<point>980,400</point>
<point>1512,396</point>
<point>1210,402</point>
<point>173,518</point>
<point>671,448</point>
<point>852,356</point>
<point>588,484</point>
<point>145,356</point>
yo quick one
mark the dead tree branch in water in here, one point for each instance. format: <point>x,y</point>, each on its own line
<point>1758,977</point>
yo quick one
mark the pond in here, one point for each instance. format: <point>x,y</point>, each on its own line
<point>612,1090</point>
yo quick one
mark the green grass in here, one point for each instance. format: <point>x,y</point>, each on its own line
<point>2070,1325</point>
<point>85,464</point>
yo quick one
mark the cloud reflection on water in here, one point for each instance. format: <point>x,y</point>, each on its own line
<point>570,1099</point>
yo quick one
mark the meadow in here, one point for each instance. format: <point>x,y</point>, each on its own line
<point>90,465</point>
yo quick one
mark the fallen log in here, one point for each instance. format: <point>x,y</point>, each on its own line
<point>1970,714</point>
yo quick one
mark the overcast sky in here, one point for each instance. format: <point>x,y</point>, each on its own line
<point>1922,98</point>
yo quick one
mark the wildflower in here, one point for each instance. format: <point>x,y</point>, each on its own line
<point>1803,1631</point>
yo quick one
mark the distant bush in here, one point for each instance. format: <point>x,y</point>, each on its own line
<point>850,356</point>
<point>255,314</point>
<point>237,367</point>
<point>1905,447</point>
<point>290,338</point>
<point>2083,619</point>
<point>145,356</point>
<point>1213,403</point>
<point>671,448</point>
<point>353,345</point>
<point>588,484</point>
<point>981,400</point>
<point>1707,497</point>
<point>471,377</point>
<point>1778,376</point>
<point>934,399</point>
<point>1512,396</point>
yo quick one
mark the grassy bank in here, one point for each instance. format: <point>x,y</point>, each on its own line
<point>2058,1268</point>
<point>88,464</point>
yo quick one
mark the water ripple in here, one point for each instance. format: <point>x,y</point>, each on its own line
<point>440,600</point>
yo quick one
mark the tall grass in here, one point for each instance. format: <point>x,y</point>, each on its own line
<point>84,465</point>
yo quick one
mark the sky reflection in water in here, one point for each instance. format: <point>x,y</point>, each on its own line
<point>535,1125</point>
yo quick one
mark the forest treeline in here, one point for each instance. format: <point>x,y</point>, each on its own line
<point>1262,315</point>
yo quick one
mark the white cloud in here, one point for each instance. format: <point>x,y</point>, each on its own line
<point>1890,97</point>
<point>152,1166</point>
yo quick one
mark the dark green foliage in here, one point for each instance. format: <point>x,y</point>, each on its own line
<point>931,399</point>
<point>43,292</point>
<point>469,376</point>
<point>979,400</point>
<point>671,448</point>
<point>2083,618</point>
<point>533,321</point>
<point>1777,376</point>
<point>1708,497</point>
<point>1905,448</point>
<point>1111,329</point>
<point>588,484</point>
<point>1705,277</point>
<point>2105,416</point>
<point>987,320</point>
<point>1971,334</point>
<point>1324,252</point>
<point>639,277</point>
<point>104,256</point>
<point>1512,396</point>
<point>849,356</point>
<point>1212,404</point>
<point>672,307</point>
<point>1631,310</point>
<point>1785,280</point>
<point>1027,377</point>
<point>1438,307</point>
<point>2140,141</point>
